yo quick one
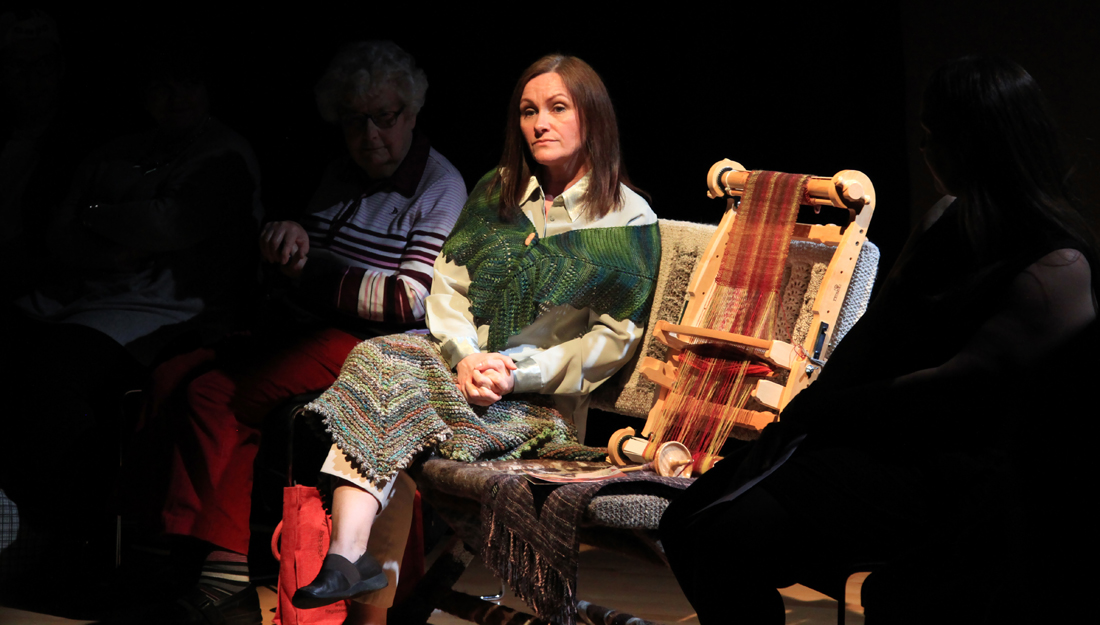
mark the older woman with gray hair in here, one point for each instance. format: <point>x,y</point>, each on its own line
<point>361,68</point>
<point>358,265</point>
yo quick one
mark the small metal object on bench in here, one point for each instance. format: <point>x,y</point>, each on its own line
<point>496,597</point>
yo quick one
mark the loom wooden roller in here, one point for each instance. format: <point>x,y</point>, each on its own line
<point>670,459</point>
<point>848,189</point>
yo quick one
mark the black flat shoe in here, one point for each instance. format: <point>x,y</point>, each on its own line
<point>340,579</point>
<point>197,608</point>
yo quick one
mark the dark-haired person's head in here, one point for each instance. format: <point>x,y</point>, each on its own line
<point>991,140</point>
<point>597,148</point>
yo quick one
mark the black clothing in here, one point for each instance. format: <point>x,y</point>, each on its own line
<point>911,472</point>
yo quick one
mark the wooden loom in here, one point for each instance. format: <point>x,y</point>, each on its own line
<point>801,363</point>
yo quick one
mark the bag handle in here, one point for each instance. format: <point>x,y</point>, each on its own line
<point>275,541</point>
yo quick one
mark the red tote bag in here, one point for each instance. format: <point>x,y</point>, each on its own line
<point>304,535</point>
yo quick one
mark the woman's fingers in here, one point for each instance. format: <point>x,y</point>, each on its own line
<point>480,379</point>
<point>280,240</point>
<point>484,378</point>
<point>485,398</point>
<point>267,250</point>
<point>480,396</point>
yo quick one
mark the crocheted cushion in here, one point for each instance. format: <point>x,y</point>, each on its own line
<point>626,511</point>
<point>859,293</point>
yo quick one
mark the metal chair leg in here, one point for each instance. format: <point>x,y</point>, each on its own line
<point>496,597</point>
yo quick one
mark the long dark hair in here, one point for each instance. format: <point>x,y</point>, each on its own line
<point>601,139</point>
<point>1004,156</point>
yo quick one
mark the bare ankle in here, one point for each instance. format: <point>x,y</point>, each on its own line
<point>349,550</point>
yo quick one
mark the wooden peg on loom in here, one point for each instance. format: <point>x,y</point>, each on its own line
<point>680,468</point>
<point>670,459</point>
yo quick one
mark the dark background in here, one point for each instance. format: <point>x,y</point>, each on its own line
<point>776,86</point>
<point>773,87</point>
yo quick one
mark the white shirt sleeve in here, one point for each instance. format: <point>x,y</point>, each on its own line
<point>578,366</point>
<point>448,312</point>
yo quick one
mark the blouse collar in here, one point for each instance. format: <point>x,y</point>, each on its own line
<point>572,197</point>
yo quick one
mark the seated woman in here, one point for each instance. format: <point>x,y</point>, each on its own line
<point>995,282</point>
<point>539,290</point>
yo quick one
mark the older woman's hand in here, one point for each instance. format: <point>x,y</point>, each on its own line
<point>285,243</point>
<point>484,378</point>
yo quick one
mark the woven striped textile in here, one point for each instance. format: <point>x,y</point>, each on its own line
<point>710,393</point>
<point>753,261</point>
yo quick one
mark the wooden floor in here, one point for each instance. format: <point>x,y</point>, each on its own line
<point>649,591</point>
<point>609,579</point>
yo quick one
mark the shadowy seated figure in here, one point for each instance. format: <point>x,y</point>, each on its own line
<point>38,138</point>
<point>149,238</point>
<point>359,264</point>
<point>916,446</point>
<point>145,249</point>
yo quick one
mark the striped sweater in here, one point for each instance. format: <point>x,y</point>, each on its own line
<point>373,245</point>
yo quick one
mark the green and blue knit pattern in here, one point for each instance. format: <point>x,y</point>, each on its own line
<point>612,271</point>
<point>396,397</point>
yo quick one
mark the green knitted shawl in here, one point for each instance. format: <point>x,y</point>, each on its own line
<point>613,271</point>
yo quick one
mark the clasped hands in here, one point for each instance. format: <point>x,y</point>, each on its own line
<point>286,244</point>
<point>484,378</point>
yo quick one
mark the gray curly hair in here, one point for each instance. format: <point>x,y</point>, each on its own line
<point>359,69</point>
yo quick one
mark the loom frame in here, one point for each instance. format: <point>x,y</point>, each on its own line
<point>848,189</point>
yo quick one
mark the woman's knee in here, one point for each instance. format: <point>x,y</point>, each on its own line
<point>209,394</point>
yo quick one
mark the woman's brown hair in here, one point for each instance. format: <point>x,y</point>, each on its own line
<point>601,139</point>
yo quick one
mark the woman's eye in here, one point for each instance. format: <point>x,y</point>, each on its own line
<point>528,113</point>
<point>559,108</point>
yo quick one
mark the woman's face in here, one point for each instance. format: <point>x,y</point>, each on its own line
<point>378,131</point>
<point>551,124</point>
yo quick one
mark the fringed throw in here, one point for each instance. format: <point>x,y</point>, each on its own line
<point>515,274</point>
<point>396,397</point>
<point>531,539</point>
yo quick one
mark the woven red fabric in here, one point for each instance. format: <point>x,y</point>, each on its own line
<point>711,392</point>
<point>756,254</point>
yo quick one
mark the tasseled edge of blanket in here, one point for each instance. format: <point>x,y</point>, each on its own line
<point>359,460</point>
<point>528,448</point>
<point>551,594</point>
